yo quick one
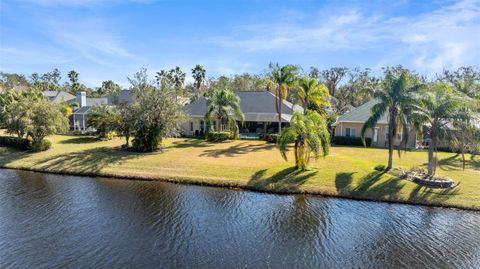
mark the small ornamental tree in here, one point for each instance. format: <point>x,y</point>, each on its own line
<point>105,119</point>
<point>46,119</point>
<point>224,105</point>
<point>157,113</point>
<point>309,134</point>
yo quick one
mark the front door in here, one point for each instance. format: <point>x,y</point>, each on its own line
<point>375,135</point>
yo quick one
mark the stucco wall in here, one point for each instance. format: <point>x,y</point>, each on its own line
<point>185,127</point>
<point>340,130</point>
<point>196,121</point>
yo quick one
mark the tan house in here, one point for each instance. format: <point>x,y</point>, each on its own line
<point>350,124</point>
<point>258,107</point>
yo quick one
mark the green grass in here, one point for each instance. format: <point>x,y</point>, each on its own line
<point>347,172</point>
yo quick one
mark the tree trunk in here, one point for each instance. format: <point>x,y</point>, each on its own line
<point>279,104</point>
<point>296,153</point>
<point>390,152</point>
<point>431,159</point>
<point>391,127</point>
<point>127,138</point>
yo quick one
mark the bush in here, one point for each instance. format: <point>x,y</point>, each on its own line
<point>351,141</point>
<point>218,136</point>
<point>15,142</point>
<point>271,138</point>
<point>42,146</point>
<point>146,140</point>
<point>109,135</point>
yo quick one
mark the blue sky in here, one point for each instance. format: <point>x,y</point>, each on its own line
<point>110,39</point>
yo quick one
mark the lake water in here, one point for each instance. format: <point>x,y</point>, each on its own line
<point>53,221</point>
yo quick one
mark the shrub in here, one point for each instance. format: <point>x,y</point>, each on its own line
<point>444,149</point>
<point>42,146</point>
<point>218,136</point>
<point>15,142</point>
<point>109,135</point>
<point>147,139</point>
<point>271,138</point>
<point>350,141</point>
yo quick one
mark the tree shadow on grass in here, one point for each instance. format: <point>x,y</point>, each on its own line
<point>455,163</point>
<point>238,149</point>
<point>89,161</point>
<point>9,155</point>
<point>368,187</point>
<point>289,179</point>
<point>343,181</point>
<point>426,194</point>
<point>79,140</point>
<point>192,142</point>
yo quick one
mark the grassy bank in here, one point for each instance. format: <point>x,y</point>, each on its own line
<point>347,172</point>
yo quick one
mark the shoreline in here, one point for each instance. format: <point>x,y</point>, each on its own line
<point>237,186</point>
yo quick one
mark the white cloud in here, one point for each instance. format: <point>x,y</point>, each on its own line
<point>444,38</point>
<point>90,38</point>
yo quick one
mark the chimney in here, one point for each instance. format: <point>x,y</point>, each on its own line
<point>82,99</point>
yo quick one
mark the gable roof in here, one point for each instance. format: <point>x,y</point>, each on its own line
<point>255,105</point>
<point>58,96</point>
<point>362,113</point>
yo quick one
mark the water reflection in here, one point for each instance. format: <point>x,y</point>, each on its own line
<point>61,221</point>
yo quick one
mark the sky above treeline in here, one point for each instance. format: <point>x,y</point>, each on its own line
<point>110,39</point>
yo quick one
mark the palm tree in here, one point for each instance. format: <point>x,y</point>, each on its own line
<point>105,119</point>
<point>224,105</point>
<point>312,95</point>
<point>198,73</point>
<point>439,110</point>
<point>396,99</point>
<point>164,79</point>
<point>309,133</point>
<point>178,78</point>
<point>283,78</point>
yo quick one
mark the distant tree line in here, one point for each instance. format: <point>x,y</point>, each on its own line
<point>443,107</point>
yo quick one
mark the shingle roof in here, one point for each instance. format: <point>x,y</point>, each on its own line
<point>50,94</point>
<point>83,110</point>
<point>255,105</point>
<point>97,101</point>
<point>362,113</point>
<point>58,96</point>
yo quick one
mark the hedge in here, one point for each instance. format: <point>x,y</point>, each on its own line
<point>218,136</point>
<point>15,142</point>
<point>351,141</point>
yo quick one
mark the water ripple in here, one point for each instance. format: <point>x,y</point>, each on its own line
<point>61,221</point>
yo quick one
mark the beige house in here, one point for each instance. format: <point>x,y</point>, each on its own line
<point>258,107</point>
<point>350,124</point>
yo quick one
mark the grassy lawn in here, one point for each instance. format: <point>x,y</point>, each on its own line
<point>347,172</point>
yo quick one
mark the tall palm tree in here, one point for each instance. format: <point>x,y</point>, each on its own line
<point>284,79</point>
<point>309,133</point>
<point>312,95</point>
<point>439,110</point>
<point>198,73</point>
<point>396,99</point>
<point>224,105</point>
<point>178,78</point>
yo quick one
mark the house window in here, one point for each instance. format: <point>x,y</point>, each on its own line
<point>191,126</point>
<point>350,132</point>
